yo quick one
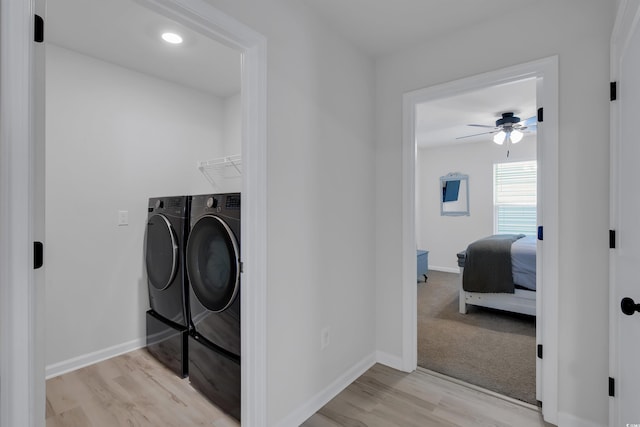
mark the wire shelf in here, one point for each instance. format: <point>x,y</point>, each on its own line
<point>220,169</point>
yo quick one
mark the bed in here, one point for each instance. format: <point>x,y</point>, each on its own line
<point>499,272</point>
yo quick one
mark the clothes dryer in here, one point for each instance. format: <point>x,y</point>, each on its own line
<point>214,267</point>
<point>165,245</point>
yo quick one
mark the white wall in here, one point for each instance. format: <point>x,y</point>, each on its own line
<point>232,141</point>
<point>115,137</point>
<point>232,125</point>
<point>581,41</point>
<point>445,236</point>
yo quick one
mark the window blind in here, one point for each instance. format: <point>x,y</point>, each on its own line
<point>515,197</point>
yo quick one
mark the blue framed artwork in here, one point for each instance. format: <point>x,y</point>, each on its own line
<point>454,194</point>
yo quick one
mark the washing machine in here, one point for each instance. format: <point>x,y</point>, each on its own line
<point>168,320</point>
<point>214,267</point>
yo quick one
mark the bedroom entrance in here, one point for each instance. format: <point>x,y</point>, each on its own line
<point>468,187</point>
<point>478,163</point>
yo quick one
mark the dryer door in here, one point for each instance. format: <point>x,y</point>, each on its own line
<point>162,253</point>
<point>213,263</point>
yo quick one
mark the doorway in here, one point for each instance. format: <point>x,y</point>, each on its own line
<point>491,348</point>
<point>120,131</point>
<point>214,24</point>
<point>545,74</point>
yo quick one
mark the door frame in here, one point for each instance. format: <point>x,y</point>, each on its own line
<point>22,385</point>
<point>22,401</point>
<point>206,19</point>
<point>546,72</point>
<point>627,21</point>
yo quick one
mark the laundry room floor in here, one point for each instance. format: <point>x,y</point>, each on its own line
<point>133,389</point>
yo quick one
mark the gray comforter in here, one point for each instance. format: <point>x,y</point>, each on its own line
<point>487,264</point>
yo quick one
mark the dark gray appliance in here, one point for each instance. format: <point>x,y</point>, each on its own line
<point>165,245</point>
<point>213,267</point>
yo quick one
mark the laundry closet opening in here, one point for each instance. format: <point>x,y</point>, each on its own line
<point>128,117</point>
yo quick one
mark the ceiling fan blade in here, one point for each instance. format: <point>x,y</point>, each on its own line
<point>530,125</point>
<point>531,121</point>
<point>483,126</point>
<point>477,134</point>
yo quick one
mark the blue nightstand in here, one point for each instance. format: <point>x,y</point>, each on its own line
<point>423,264</point>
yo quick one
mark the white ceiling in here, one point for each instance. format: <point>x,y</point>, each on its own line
<point>126,33</point>
<point>441,121</point>
<point>383,26</point>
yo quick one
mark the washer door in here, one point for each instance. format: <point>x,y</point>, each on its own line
<point>162,253</point>
<point>213,259</point>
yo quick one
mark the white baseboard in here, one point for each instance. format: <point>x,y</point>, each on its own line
<point>569,420</point>
<point>314,404</point>
<point>91,358</point>
<point>444,269</point>
<point>389,360</point>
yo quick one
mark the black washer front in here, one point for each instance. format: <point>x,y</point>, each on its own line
<point>213,266</point>
<point>167,321</point>
<point>212,263</point>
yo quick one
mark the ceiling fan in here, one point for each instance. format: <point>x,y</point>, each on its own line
<point>508,129</point>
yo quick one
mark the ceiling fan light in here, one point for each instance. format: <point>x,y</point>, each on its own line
<point>516,136</point>
<point>499,137</point>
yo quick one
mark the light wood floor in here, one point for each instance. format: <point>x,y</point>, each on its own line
<point>386,397</point>
<point>129,390</point>
<point>135,390</point>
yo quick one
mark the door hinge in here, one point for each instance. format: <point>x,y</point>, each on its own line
<point>241,267</point>
<point>540,233</point>
<point>38,29</point>
<point>38,255</point>
<point>612,239</point>
<point>540,114</point>
<point>613,91</point>
<point>539,351</point>
<point>612,387</point>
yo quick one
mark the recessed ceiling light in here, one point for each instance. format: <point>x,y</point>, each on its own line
<point>172,38</point>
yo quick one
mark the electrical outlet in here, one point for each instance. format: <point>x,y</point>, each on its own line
<point>123,217</point>
<point>324,338</point>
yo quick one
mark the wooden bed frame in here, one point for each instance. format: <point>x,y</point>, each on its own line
<point>522,301</point>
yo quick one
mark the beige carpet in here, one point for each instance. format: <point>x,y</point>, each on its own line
<point>489,348</point>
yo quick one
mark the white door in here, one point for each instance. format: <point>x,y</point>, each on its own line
<point>625,219</point>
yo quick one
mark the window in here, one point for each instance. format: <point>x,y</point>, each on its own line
<point>514,197</point>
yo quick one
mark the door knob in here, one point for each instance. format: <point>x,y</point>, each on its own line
<point>629,306</point>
